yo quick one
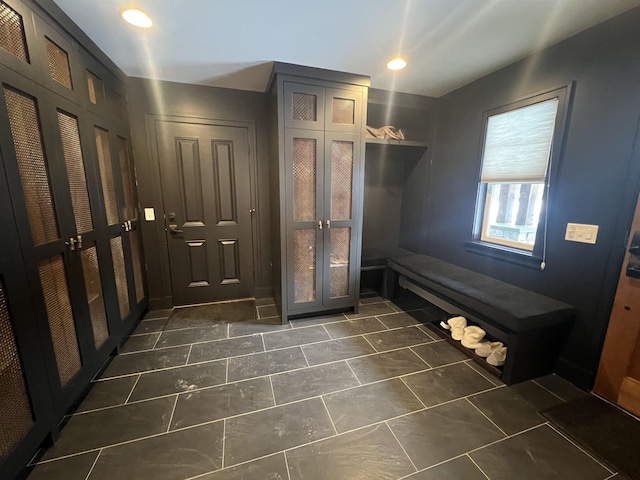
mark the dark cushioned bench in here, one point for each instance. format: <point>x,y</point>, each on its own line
<point>532,326</point>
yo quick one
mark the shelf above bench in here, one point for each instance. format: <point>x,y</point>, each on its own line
<point>398,143</point>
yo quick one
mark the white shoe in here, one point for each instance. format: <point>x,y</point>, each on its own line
<point>457,325</point>
<point>445,325</point>
<point>487,348</point>
<point>472,337</point>
<point>497,357</point>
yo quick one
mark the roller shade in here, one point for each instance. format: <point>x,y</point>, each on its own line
<point>518,144</point>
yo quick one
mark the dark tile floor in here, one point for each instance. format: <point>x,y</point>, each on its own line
<point>199,393</point>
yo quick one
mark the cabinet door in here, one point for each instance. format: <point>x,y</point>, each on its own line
<point>342,213</point>
<point>304,154</point>
<point>343,110</point>
<point>304,106</point>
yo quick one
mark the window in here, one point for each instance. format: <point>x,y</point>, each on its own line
<point>519,145</point>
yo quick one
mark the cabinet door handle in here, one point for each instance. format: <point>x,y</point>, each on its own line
<point>319,224</point>
<point>328,223</point>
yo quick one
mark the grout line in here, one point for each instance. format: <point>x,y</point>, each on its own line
<point>226,373</point>
<point>305,357</point>
<point>273,392</point>
<point>157,341</point>
<point>485,416</point>
<point>135,384</point>
<point>414,393</point>
<point>426,363</point>
<point>478,466</point>
<point>286,463</point>
<point>264,345</point>
<point>371,345</point>
<point>329,414</point>
<point>224,438</point>
<point>401,446</point>
<point>354,373</point>
<point>94,464</point>
<point>188,355</point>
<point>578,447</point>
<point>173,411</point>
<point>552,393</point>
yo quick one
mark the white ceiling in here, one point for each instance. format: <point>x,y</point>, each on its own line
<point>229,43</point>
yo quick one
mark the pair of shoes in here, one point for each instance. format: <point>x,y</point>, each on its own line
<point>472,336</point>
<point>487,348</point>
<point>457,326</point>
<point>497,357</point>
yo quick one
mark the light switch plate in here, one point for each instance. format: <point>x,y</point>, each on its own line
<point>149,214</point>
<point>579,232</point>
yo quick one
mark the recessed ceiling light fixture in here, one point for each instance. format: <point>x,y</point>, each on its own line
<point>137,17</point>
<point>396,64</point>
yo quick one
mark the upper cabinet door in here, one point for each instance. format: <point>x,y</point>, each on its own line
<point>343,110</point>
<point>304,106</point>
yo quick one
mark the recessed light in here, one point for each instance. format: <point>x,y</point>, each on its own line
<point>396,64</point>
<point>137,17</point>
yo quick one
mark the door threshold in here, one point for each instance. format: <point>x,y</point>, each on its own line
<point>215,303</point>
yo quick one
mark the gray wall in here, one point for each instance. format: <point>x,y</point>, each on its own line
<point>596,183</point>
<point>145,98</point>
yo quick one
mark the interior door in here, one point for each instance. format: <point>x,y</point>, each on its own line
<point>618,376</point>
<point>206,190</point>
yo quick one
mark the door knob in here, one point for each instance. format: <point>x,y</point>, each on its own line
<point>174,229</point>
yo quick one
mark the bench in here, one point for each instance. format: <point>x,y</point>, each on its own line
<point>375,260</point>
<point>533,327</point>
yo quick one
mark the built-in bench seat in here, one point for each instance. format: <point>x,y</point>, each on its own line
<point>376,258</point>
<point>532,326</point>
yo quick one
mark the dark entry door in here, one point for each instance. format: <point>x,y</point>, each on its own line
<point>207,202</point>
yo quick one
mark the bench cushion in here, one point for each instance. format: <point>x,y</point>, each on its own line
<point>377,257</point>
<point>501,304</point>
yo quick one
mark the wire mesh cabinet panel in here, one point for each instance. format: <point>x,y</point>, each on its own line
<point>323,174</point>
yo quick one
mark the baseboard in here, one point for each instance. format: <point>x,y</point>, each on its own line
<point>579,376</point>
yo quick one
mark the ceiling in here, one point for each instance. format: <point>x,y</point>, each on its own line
<point>230,43</point>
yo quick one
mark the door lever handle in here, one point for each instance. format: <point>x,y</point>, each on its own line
<point>319,224</point>
<point>328,223</point>
<point>174,229</point>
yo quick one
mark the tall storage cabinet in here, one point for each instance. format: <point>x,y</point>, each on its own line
<point>317,188</point>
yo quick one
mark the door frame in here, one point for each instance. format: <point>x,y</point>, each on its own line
<point>160,230</point>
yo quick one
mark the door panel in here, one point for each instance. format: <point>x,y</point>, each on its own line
<point>618,376</point>
<point>207,196</point>
<point>304,106</point>
<point>344,110</point>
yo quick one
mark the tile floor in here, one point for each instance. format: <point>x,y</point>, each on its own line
<point>375,395</point>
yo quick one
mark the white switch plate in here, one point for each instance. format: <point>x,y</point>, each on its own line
<point>579,232</point>
<point>149,214</point>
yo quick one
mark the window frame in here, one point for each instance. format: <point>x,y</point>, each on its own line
<point>536,255</point>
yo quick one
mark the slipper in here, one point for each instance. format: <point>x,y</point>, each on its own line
<point>487,348</point>
<point>497,357</point>
<point>457,325</point>
<point>472,337</point>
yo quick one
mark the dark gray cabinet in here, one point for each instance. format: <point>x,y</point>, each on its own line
<point>317,190</point>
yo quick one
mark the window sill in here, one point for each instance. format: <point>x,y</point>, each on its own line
<point>507,254</point>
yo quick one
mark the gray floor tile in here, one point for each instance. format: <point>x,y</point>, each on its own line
<point>176,455</point>
<point>369,404</point>
<point>398,338</point>
<point>350,328</point>
<point>486,374</point>
<point>337,350</point>
<point>440,433</point>
<point>319,320</point>
<point>268,468</point>
<point>295,336</point>
<point>177,380</point>
<point>138,343</point>
<point>240,329</point>
<point>462,468</point>
<point>208,315</point>
<point>108,393</point>
<point>186,336</point>
<point>446,383</point>
<point>222,401</point>
<point>146,361</point>
<point>369,453</point>
<point>386,365</point>
<point>367,300</point>
<point>261,433</point>
<point>538,453</point>
<point>150,326</point>
<point>232,347</point>
<point>508,410</point>
<point>259,364</point>
<point>560,387</point>
<point>267,311</point>
<point>164,313</point>
<point>312,381</point>
<point>405,319</point>
<point>371,310</point>
<point>113,425</point>
<point>72,468</point>
<point>536,395</point>
<point>439,353</point>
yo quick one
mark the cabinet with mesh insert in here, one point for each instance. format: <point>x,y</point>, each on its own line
<point>317,189</point>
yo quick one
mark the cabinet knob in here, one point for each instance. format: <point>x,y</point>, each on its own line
<point>320,224</point>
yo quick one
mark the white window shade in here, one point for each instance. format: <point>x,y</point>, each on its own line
<point>518,144</point>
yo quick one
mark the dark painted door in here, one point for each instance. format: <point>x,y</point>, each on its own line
<point>207,202</point>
